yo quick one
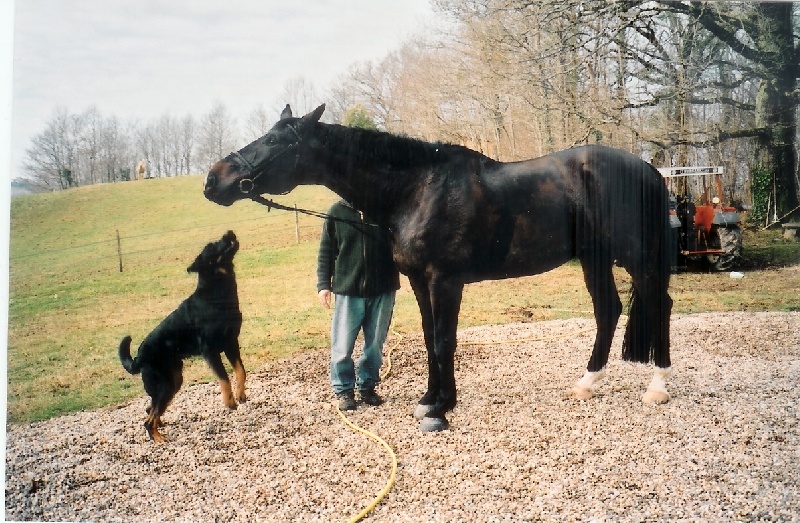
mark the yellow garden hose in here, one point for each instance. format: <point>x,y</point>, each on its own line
<point>386,373</point>
<point>392,476</point>
<point>375,437</point>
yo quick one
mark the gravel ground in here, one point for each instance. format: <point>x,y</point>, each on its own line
<point>726,447</point>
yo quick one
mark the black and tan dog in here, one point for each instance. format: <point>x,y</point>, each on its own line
<point>205,324</point>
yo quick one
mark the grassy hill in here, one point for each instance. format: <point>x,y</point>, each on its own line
<point>70,304</point>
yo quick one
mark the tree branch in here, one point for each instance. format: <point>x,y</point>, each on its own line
<point>707,19</point>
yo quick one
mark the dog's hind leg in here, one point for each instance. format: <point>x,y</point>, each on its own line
<point>151,426</point>
<point>241,375</point>
<point>215,362</point>
<point>162,390</point>
<point>159,422</point>
<point>153,422</point>
<point>238,368</point>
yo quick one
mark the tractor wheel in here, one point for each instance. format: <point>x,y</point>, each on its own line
<point>730,241</point>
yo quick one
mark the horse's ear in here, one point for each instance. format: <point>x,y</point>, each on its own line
<point>315,115</point>
<point>286,113</point>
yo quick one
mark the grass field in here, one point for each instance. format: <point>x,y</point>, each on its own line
<point>70,304</point>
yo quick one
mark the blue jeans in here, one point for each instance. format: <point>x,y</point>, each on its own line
<point>352,314</point>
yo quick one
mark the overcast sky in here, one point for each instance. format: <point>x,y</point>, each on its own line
<point>139,59</point>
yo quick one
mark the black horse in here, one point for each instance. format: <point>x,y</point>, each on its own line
<point>456,217</point>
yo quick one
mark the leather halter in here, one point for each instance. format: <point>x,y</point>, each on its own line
<point>246,185</point>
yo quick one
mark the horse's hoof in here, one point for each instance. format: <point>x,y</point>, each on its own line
<point>583,389</point>
<point>656,392</point>
<point>421,411</point>
<point>433,424</point>
<point>582,394</point>
<point>655,397</point>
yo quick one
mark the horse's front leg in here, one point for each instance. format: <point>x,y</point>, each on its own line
<point>445,302</point>
<point>420,287</point>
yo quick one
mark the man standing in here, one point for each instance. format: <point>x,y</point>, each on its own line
<point>355,263</point>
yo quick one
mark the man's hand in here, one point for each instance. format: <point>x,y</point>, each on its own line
<point>325,298</point>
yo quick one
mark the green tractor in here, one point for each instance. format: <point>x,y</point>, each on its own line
<point>703,229</point>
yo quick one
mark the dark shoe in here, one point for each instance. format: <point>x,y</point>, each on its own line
<point>371,398</point>
<point>347,400</point>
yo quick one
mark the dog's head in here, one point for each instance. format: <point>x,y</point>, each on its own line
<point>217,257</point>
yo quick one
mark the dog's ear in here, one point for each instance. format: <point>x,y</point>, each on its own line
<point>195,266</point>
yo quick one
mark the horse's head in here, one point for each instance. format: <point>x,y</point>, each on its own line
<point>268,165</point>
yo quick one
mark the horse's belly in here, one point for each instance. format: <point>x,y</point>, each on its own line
<point>529,252</point>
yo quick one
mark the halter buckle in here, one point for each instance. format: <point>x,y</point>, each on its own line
<point>246,185</point>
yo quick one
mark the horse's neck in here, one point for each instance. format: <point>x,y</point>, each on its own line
<point>364,195</point>
<point>345,170</point>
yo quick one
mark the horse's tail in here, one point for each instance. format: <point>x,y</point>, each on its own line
<point>647,333</point>
<point>131,365</point>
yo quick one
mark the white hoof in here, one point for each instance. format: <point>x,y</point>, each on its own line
<point>655,397</point>
<point>421,411</point>
<point>583,389</point>
<point>581,393</point>
<point>656,392</point>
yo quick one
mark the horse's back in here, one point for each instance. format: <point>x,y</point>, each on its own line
<point>578,200</point>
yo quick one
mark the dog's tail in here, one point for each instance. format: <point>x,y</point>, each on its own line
<point>130,364</point>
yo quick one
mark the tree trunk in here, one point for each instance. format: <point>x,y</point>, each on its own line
<point>775,105</point>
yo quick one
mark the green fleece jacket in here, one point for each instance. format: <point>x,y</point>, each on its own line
<point>354,259</point>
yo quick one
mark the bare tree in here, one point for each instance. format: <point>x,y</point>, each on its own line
<point>186,143</point>
<point>258,122</point>
<point>216,135</point>
<point>167,139</point>
<point>747,62</point>
<point>114,157</point>
<point>89,143</point>
<point>51,159</point>
<point>301,94</point>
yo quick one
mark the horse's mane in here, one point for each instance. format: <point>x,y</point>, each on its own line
<point>380,149</point>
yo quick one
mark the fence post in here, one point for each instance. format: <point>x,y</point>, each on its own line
<point>296,224</point>
<point>119,251</point>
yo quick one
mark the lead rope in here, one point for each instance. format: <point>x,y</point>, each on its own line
<point>363,227</point>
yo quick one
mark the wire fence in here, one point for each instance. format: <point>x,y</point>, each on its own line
<point>123,250</point>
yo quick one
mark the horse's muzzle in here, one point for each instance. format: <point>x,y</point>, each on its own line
<point>214,192</point>
<point>210,182</point>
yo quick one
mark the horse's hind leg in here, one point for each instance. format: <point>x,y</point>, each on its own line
<point>657,389</point>
<point>647,333</point>
<point>599,279</point>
